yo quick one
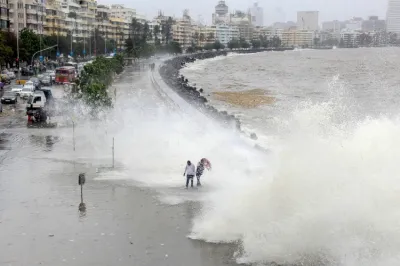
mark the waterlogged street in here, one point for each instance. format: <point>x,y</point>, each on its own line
<point>120,223</point>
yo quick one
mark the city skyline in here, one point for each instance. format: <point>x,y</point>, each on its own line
<point>274,10</point>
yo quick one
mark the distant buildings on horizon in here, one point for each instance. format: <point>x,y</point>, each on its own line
<point>113,22</point>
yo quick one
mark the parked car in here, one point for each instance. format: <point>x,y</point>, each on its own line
<point>9,97</point>
<point>17,89</point>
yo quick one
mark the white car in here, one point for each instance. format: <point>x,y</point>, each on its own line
<point>27,90</point>
<point>52,74</point>
<point>17,89</point>
<point>11,74</point>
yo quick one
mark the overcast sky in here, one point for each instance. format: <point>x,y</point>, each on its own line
<point>274,10</point>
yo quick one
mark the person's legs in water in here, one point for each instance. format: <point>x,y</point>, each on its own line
<point>198,180</point>
<point>189,177</point>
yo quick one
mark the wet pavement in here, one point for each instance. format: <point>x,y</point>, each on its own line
<point>41,216</point>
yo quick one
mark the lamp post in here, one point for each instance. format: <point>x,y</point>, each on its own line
<point>40,51</point>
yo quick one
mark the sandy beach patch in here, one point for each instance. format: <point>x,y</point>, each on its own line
<point>247,99</point>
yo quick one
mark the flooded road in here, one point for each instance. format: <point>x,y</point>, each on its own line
<point>122,224</point>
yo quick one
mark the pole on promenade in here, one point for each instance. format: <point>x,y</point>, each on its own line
<point>73,134</point>
<point>113,151</point>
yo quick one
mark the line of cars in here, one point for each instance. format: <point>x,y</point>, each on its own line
<point>27,88</point>
<point>6,76</point>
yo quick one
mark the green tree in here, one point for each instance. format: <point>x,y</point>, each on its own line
<point>156,32</point>
<point>202,37</point>
<point>276,42</point>
<point>6,52</point>
<point>196,37</point>
<point>317,42</point>
<point>210,36</point>
<point>243,43</point>
<point>96,78</point>
<point>264,41</point>
<point>29,44</point>
<point>174,48</point>
<point>217,45</point>
<point>233,44</point>
<point>166,30</point>
<point>256,43</point>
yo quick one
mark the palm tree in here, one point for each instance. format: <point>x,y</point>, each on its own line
<point>156,32</point>
<point>210,36</point>
<point>202,37</point>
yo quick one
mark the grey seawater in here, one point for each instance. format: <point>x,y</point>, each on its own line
<point>122,224</point>
<point>360,82</point>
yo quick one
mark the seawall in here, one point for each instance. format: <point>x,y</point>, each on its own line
<point>169,72</point>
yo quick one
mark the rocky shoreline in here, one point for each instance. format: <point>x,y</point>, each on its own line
<point>170,74</point>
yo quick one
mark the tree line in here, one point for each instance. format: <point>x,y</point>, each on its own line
<point>31,42</point>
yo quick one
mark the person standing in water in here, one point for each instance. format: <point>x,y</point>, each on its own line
<point>189,172</point>
<point>199,171</point>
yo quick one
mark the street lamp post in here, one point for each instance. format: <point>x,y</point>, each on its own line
<point>40,51</point>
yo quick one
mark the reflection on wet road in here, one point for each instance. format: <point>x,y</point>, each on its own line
<point>44,222</point>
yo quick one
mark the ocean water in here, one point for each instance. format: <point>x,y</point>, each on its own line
<point>329,192</point>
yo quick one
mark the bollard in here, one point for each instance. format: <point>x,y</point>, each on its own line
<point>81,182</point>
<point>113,153</point>
<point>73,134</point>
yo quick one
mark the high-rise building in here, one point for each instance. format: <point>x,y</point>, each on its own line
<point>393,17</point>
<point>332,26</point>
<point>182,30</point>
<point>29,14</point>
<point>307,20</point>
<point>242,21</point>
<point>257,15</point>
<point>4,15</point>
<point>373,24</point>
<point>221,15</point>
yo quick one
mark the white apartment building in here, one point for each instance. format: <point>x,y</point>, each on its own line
<point>307,20</point>
<point>203,35</point>
<point>120,11</point>
<point>55,20</point>
<point>349,38</point>
<point>182,31</point>
<point>27,14</point>
<point>243,22</point>
<point>393,17</point>
<point>152,25</point>
<point>257,15</point>
<point>83,22</point>
<point>226,33</point>
<point>4,15</point>
<point>294,37</point>
<point>354,25</point>
<point>267,32</point>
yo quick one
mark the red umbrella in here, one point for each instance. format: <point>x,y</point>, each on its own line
<point>206,163</point>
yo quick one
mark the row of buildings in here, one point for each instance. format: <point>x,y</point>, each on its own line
<point>61,17</point>
<point>81,17</point>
